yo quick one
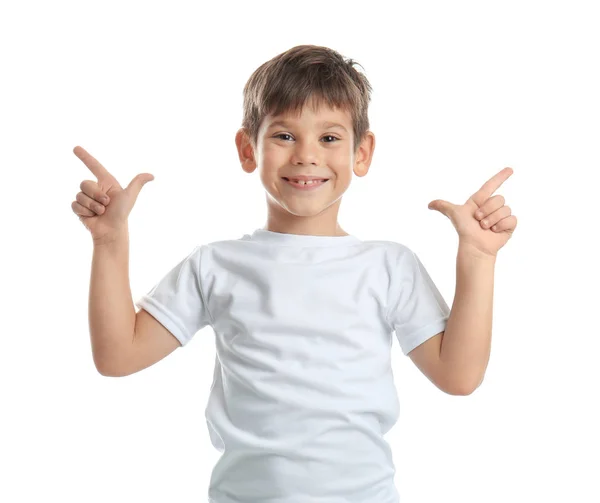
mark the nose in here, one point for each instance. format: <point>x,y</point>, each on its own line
<point>305,153</point>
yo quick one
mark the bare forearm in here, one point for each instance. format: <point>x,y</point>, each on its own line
<point>111,309</point>
<point>466,343</point>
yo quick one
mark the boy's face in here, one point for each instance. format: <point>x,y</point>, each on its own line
<point>316,144</point>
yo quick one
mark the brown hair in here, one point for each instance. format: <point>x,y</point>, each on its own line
<point>290,79</point>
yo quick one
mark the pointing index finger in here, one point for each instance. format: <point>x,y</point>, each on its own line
<point>91,162</point>
<point>491,186</point>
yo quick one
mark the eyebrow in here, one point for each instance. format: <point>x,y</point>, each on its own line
<point>325,124</point>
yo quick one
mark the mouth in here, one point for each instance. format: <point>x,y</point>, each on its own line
<point>305,185</point>
<point>297,180</point>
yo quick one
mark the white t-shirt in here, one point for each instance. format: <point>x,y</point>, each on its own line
<point>303,388</point>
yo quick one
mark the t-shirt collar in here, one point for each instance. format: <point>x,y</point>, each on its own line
<point>271,237</point>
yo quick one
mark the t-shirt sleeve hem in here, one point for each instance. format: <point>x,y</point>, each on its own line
<point>165,318</point>
<point>423,334</point>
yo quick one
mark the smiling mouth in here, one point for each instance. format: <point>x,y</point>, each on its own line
<point>295,180</point>
<point>304,186</point>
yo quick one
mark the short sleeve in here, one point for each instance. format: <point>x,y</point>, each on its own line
<point>177,301</point>
<point>417,310</point>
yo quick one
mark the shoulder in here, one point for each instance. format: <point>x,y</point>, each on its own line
<point>389,245</point>
<point>396,252</point>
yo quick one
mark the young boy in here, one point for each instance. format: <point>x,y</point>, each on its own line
<point>303,312</point>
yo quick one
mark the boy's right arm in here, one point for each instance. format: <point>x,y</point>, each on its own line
<point>123,341</point>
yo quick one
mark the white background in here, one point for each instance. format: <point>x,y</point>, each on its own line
<point>461,90</point>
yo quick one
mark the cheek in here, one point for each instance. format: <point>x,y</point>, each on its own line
<point>341,162</point>
<point>270,157</point>
<point>270,183</point>
<point>340,156</point>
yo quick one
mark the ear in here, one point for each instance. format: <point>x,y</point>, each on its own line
<point>364,155</point>
<point>245,150</point>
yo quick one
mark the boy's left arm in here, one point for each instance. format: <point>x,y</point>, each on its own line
<point>484,225</point>
<point>466,343</point>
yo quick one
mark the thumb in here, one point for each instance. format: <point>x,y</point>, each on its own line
<point>442,206</point>
<point>135,186</point>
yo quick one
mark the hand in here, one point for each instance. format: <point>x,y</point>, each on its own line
<point>487,233</point>
<point>105,219</point>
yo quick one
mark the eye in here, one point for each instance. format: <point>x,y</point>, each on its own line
<point>327,136</point>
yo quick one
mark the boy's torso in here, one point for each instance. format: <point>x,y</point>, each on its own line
<point>303,389</point>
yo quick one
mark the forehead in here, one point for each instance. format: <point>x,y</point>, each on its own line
<point>320,115</point>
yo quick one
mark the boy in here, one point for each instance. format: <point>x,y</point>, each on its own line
<point>302,311</point>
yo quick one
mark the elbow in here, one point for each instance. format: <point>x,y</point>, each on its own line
<point>460,391</point>
<point>106,366</point>
<point>461,383</point>
<point>464,389</point>
<point>106,371</point>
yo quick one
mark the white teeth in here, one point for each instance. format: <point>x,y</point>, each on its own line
<point>309,182</point>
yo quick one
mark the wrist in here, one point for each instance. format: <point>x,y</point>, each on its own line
<point>471,251</point>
